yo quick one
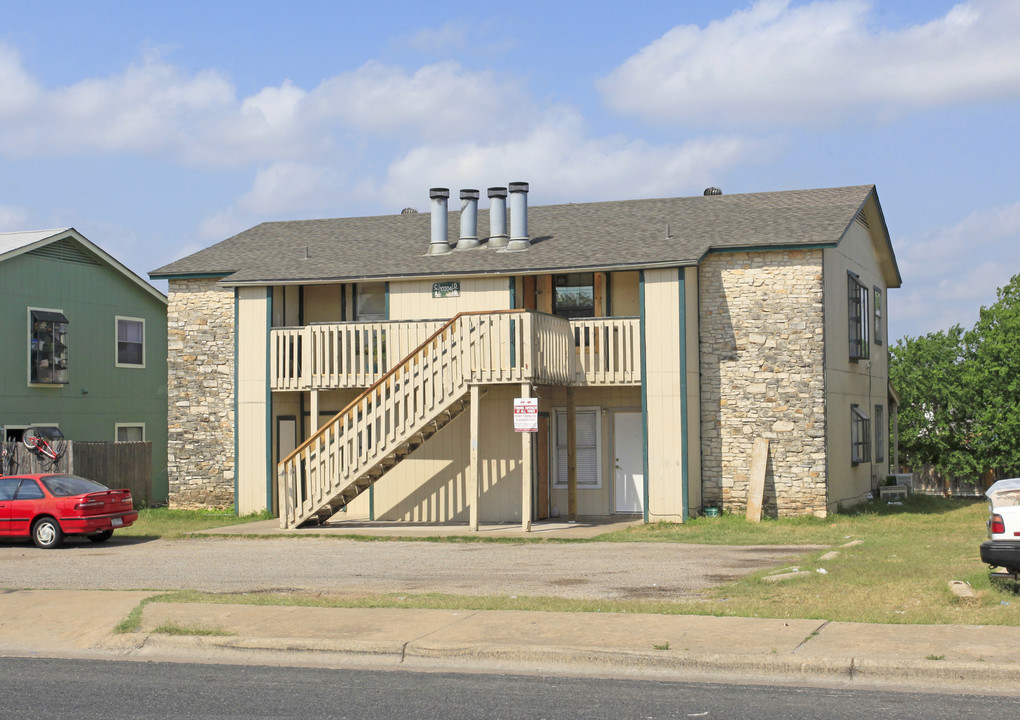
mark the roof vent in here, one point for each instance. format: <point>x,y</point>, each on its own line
<point>468,220</point>
<point>498,237</point>
<point>409,211</point>
<point>439,244</point>
<point>712,191</point>
<point>519,239</point>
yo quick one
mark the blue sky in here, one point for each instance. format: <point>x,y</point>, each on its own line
<point>159,129</point>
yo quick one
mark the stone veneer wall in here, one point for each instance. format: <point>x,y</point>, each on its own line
<point>762,375</point>
<point>200,394</point>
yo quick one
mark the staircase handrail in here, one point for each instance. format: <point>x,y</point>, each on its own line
<point>377,385</point>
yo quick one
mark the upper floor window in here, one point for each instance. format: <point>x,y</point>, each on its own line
<point>860,436</point>
<point>370,302</point>
<point>857,318</point>
<point>878,316</point>
<point>574,295</point>
<point>130,342</point>
<point>47,347</point>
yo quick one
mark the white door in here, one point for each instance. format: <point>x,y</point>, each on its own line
<point>630,478</point>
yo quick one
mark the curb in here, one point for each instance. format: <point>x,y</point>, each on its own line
<point>529,659</point>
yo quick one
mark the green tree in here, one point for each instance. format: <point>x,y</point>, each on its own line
<point>992,376</point>
<point>935,411</point>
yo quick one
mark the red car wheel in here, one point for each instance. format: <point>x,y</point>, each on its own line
<point>46,533</point>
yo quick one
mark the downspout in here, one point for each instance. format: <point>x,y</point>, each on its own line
<point>684,457</point>
<point>644,392</point>
<point>236,474</point>
<point>270,474</point>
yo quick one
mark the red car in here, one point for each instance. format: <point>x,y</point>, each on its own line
<point>48,507</point>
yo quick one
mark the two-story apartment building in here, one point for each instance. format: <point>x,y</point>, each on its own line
<point>84,346</point>
<point>371,365</point>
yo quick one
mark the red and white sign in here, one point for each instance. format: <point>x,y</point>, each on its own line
<point>526,414</point>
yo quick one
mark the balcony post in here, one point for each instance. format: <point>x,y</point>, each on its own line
<point>526,484</point>
<point>313,421</point>
<point>304,356</point>
<point>473,470</point>
<point>571,455</point>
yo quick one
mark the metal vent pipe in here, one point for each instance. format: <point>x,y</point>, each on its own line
<point>468,220</point>
<point>519,239</point>
<point>498,237</point>
<point>439,245</point>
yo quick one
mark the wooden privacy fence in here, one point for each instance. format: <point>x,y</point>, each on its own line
<point>114,464</point>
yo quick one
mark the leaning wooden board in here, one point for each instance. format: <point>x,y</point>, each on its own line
<point>756,490</point>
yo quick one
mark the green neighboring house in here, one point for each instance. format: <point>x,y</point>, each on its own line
<point>84,345</point>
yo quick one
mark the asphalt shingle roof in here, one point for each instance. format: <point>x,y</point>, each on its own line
<point>617,234</point>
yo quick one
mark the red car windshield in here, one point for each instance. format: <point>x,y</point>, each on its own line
<point>69,485</point>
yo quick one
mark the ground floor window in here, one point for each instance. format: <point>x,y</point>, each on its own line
<point>860,436</point>
<point>130,432</point>
<point>879,434</point>
<point>589,445</point>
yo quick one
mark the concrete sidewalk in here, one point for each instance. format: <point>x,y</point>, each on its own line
<point>80,624</point>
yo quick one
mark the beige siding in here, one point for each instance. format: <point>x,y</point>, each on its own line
<point>286,305</point>
<point>625,294</point>
<point>252,410</point>
<point>412,300</point>
<point>663,395</point>
<point>862,382</point>
<point>431,485</point>
<point>322,304</point>
<point>694,495</point>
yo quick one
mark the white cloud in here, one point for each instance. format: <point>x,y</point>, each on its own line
<point>565,164</point>
<point>150,107</point>
<point>438,101</point>
<point>950,273</point>
<point>817,63</point>
<point>154,108</point>
<point>556,154</point>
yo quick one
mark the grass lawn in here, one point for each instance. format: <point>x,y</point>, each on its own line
<point>175,524</point>
<point>899,573</point>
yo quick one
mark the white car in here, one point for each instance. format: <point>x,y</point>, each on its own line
<point>1002,549</point>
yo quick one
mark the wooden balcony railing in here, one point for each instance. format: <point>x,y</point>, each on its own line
<point>601,351</point>
<point>607,350</point>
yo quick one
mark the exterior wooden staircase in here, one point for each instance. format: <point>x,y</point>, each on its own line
<point>415,400</point>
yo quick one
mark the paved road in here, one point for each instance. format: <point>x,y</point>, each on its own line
<point>584,571</point>
<point>40,688</point>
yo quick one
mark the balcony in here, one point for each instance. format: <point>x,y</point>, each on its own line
<point>526,345</point>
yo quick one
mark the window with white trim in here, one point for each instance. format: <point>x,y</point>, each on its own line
<point>589,444</point>
<point>130,342</point>
<point>860,436</point>
<point>857,318</point>
<point>130,432</point>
